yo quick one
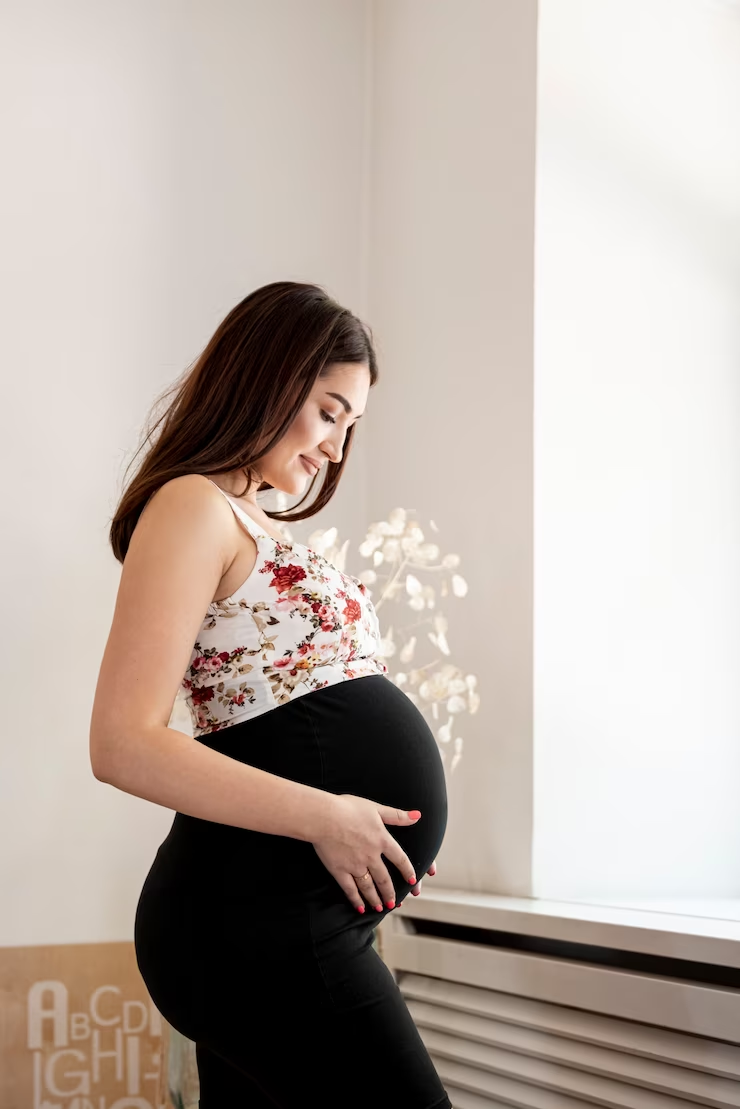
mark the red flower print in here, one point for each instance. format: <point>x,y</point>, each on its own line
<point>352,611</point>
<point>287,576</point>
<point>202,695</point>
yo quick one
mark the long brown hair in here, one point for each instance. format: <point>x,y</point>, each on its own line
<point>241,395</point>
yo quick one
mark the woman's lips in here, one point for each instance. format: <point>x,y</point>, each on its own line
<point>309,466</point>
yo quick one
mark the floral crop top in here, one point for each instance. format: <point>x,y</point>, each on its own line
<point>295,625</point>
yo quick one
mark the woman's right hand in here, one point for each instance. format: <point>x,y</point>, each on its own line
<point>356,839</point>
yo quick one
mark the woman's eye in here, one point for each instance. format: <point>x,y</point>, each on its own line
<point>327,417</point>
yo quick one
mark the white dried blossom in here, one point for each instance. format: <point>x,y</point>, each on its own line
<point>436,686</point>
<point>433,526</point>
<point>435,710</point>
<point>368,577</point>
<point>378,558</point>
<point>417,604</point>
<point>444,734</point>
<point>451,561</point>
<point>459,585</point>
<point>439,640</point>
<point>369,545</point>
<point>397,521</point>
<point>414,587</point>
<point>471,681</point>
<point>407,651</point>
<point>387,646</point>
<point>391,549</point>
<point>473,702</point>
<point>457,685</point>
<point>401,679</point>
<point>429,552</point>
<point>456,704</point>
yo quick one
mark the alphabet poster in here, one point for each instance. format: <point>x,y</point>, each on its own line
<point>78,1030</point>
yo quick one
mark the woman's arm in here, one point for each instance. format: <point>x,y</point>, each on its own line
<point>184,541</point>
<point>169,768</point>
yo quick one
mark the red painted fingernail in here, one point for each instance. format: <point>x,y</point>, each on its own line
<point>360,908</point>
<point>379,908</point>
<point>414,814</point>
<point>390,904</point>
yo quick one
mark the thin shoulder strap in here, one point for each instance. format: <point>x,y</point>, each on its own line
<point>251,525</point>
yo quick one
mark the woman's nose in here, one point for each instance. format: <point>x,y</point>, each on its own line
<point>332,451</point>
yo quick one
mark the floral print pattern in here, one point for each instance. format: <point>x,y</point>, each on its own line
<point>297,624</point>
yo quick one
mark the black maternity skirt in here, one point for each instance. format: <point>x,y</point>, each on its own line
<point>249,946</point>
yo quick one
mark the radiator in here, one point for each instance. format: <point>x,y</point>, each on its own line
<point>512,1028</point>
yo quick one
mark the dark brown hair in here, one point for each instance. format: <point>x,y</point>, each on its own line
<point>241,396</point>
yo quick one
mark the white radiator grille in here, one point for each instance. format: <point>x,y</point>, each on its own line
<point>566,1042</point>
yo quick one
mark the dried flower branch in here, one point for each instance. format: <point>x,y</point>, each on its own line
<point>401,557</point>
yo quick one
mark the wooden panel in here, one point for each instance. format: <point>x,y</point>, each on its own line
<point>77,1027</point>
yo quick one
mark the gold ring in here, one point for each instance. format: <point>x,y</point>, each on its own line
<point>363,876</point>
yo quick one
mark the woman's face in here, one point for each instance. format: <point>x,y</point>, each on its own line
<point>318,432</point>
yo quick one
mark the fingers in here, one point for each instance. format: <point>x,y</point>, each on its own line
<point>379,890</point>
<point>396,855</point>
<point>398,816</point>
<point>350,889</point>
<point>368,890</point>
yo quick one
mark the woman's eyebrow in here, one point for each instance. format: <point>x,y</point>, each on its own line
<point>344,402</point>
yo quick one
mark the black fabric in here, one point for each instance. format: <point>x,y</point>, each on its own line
<point>250,948</point>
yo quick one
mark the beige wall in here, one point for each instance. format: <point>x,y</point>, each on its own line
<point>161,161</point>
<point>451,287</point>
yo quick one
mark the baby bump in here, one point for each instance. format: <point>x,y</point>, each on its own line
<point>363,736</point>
<point>375,743</point>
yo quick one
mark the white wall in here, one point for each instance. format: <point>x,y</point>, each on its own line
<point>637,449</point>
<point>450,298</point>
<point>160,161</point>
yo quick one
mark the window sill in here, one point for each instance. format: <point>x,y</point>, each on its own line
<point>677,930</point>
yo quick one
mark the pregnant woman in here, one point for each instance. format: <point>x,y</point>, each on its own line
<point>312,796</point>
